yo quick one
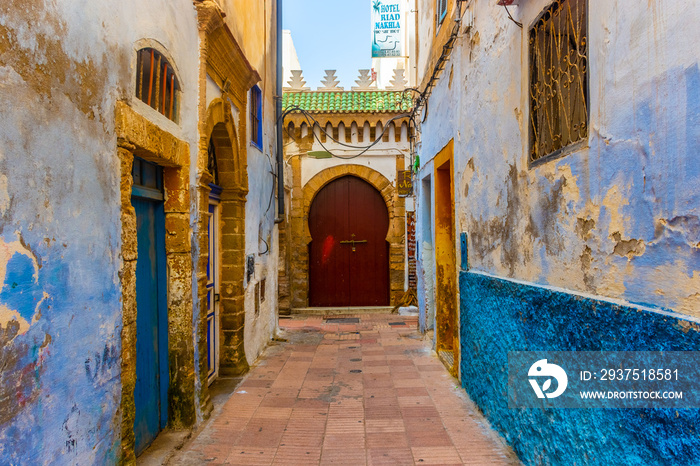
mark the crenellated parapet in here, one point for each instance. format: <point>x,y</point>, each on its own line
<point>366,81</point>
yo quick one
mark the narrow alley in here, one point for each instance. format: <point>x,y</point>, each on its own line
<point>354,390</point>
<point>350,232</point>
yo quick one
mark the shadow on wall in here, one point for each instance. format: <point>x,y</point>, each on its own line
<point>498,316</point>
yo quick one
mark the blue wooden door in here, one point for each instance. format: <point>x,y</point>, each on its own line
<point>213,286</point>
<point>150,392</point>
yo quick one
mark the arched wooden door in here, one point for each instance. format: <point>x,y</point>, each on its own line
<point>348,253</point>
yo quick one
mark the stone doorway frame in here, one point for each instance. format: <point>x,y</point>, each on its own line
<point>137,136</point>
<point>300,236</point>
<point>447,336</point>
<point>221,129</point>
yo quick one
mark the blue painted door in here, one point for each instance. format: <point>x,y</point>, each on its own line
<point>213,291</point>
<point>150,392</point>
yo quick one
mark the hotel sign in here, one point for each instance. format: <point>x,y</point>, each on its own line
<point>387,28</point>
<point>405,183</point>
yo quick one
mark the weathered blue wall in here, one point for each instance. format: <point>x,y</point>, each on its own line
<point>498,316</point>
<point>618,217</point>
<point>63,66</point>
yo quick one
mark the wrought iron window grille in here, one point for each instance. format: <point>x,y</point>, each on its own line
<point>558,47</point>
<point>156,83</point>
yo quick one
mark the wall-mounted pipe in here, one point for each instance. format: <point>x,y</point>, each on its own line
<point>278,118</point>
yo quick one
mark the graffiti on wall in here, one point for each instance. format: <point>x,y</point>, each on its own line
<point>21,302</point>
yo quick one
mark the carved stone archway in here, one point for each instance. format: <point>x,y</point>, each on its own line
<point>300,236</point>
<point>224,63</point>
<point>220,130</point>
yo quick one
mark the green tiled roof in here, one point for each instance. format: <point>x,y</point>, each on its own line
<point>349,102</point>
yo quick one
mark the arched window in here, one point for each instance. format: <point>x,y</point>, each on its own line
<point>156,83</point>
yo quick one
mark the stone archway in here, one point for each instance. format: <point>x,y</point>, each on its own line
<point>301,236</point>
<point>220,130</point>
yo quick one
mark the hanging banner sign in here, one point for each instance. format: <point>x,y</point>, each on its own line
<point>405,183</point>
<point>387,28</point>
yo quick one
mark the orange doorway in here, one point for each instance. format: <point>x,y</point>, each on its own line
<point>446,317</point>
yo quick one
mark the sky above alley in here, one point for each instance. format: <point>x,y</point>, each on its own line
<point>330,34</point>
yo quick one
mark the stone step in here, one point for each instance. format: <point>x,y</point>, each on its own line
<point>333,311</point>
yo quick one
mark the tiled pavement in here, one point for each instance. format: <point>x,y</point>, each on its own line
<point>367,393</point>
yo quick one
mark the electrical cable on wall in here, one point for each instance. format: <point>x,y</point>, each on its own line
<point>518,23</point>
<point>422,98</point>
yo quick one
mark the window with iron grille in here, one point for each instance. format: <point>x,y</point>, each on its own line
<point>256,116</point>
<point>156,83</point>
<point>441,10</point>
<point>558,79</point>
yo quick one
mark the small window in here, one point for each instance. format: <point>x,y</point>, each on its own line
<point>256,116</point>
<point>156,83</point>
<point>147,180</point>
<point>558,79</point>
<point>441,10</point>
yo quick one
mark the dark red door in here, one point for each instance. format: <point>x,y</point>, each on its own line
<point>348,254</point>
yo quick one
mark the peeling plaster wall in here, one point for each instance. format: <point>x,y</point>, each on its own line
<point>261,205</point>
<point>618,218</point>
<point>63,66</point>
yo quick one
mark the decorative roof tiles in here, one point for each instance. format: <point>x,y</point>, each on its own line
<point>349,101</point>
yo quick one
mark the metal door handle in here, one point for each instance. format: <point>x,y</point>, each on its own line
<point>353,241</point>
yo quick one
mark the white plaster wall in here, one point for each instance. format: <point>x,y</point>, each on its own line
<point>261,207</point>
<point>381,158</point>
<point>261,232</point>
<point>384,164</point>
<point>636,180</point>
<point>426,34</point>
<point>213,92</point>
<point>384,67</point>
